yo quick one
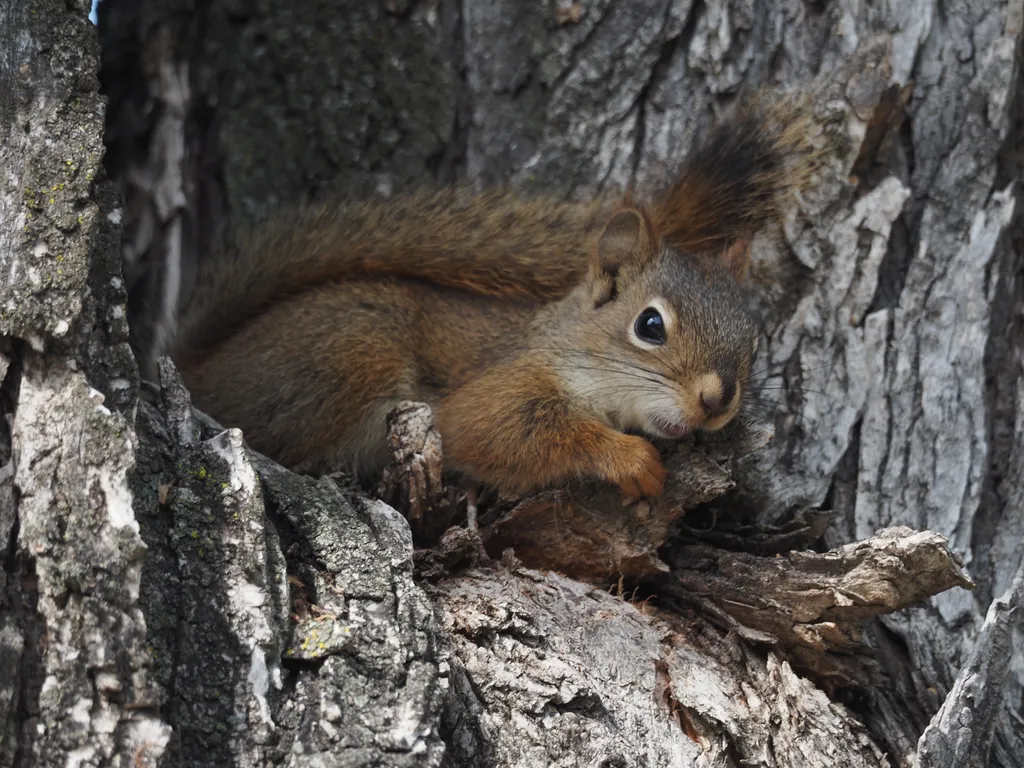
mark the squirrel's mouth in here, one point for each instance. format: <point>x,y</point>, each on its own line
<point>670,429</point>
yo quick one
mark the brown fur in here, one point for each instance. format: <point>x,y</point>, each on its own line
<point>514,319</point>
<point>491,244</point>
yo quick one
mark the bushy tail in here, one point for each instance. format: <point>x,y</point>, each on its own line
<point>492,244</point>
<point>741,176</point>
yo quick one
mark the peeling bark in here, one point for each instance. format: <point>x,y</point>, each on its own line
<point>961,732</point>
<point>532,675</point>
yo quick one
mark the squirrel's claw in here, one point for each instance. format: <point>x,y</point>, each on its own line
<point>638,470</point>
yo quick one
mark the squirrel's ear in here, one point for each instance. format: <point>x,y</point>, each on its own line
<point>626,240</point>
<point>737,258</point>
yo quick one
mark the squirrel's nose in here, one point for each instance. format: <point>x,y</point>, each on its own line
<point>716,401</point>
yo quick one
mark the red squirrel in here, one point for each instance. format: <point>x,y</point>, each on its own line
<point>549,338</point>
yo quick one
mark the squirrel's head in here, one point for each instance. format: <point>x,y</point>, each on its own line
<point>675,338</point>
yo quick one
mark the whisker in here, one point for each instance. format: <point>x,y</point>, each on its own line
<point>619,388</point>
<point>779,369</point>
<point>621,372</point>
<point>658,353</point>
<point>610,358</point>
<point>794,390</point>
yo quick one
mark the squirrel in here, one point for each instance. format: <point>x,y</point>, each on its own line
<point>551,339</point>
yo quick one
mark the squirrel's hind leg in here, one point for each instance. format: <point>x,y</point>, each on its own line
<point>310,381</point>
<point>362,452</point>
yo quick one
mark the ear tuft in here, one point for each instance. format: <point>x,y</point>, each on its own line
<point>628,240</point>
<point>621,238</point>
<point>736,258</point>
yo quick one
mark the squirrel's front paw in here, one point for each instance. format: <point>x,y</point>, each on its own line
<point>637,470</point>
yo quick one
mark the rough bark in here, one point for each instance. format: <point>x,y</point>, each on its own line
<point>962,730</point>
<point>171,598</point>
<point>535,660</point>
<point>75,672</point>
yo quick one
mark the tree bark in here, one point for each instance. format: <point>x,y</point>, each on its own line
<point>74,682</point>
<point>171,598</point>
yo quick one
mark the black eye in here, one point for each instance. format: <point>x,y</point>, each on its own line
<point>650,327</point>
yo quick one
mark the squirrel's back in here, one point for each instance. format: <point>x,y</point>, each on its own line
<point>496,243</point>
<point>493,243</point>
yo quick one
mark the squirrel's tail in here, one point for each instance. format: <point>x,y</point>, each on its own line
<point>741,176</point>
<point>496,243</point>
<point>492,243</point>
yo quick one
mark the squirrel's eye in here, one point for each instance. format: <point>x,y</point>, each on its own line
<point>650,326</point>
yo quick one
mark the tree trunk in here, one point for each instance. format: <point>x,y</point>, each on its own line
<point>171,598</point>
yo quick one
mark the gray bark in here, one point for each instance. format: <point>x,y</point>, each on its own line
<point>962,729</point>
<point>171,598</point>
<point>75,672</point>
